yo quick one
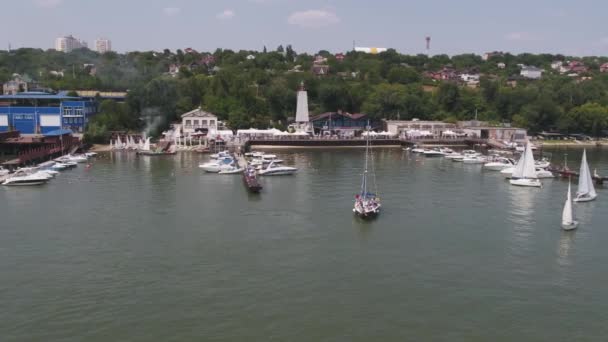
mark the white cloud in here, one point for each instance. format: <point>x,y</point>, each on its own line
<point>313,18</point>
<point>521,37</point>
<point>226,14</point>
<point>171,11</point>
<point>48,3</point>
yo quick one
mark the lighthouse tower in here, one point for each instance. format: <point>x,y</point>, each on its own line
<point>302,119</point>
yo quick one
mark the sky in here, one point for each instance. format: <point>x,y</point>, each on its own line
<point>455,26</point>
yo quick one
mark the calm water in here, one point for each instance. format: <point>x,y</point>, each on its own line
<point>153,249</point>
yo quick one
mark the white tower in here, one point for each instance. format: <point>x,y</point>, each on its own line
<point>302,108</point>
<point>302,119</point>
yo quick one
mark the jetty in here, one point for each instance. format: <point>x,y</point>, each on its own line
<point>315,141</point>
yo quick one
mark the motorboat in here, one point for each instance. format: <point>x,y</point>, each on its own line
<point>586,189</point>
<point>90,154</point>
<point>220,155</point>
<point>474,159</point>
<point>417,150</point>
<point>58,166</point>
<point>272,170</point>
<point>72,158</point>
<point>498,164</point>
<point>262,161</point>
<point>435,152</point>
<point>218,165</point>
<point>543,163</point>
<point>24,178</point>
<point>251,180</point>
<point>459,157</point>
<point>455,155</point>
<point>540,173</point>
<point>524,173</point>
<point>231,171</point>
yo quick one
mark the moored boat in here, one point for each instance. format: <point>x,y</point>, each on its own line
<point>273,170</point>
<point>568,222</point>
<point>524,173</point>
<point>586,189</point>
<point>251,181</point>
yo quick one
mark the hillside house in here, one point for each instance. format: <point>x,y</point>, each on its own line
<point>531,72</point>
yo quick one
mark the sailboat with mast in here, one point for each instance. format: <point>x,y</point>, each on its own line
<point>524,173</point>
<point>367,204</point>
<point>568,222</point>
<point>586,190</point>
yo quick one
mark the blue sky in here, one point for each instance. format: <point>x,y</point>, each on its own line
<point>456,26</point>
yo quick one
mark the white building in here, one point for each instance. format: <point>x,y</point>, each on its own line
<point>469,77</point>
<point>103,45</point>
<point>69,43</point>
<point>531,72</point>
<point>199,121</point>
<point>556,65</point>
<point>371,50</point>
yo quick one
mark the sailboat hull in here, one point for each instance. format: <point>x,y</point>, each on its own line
<point>366,214</point>
<point>584,198</point>
<point>526,182</point>
<point>569,225</point>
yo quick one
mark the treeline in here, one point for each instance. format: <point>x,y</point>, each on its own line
<point>258,89</point>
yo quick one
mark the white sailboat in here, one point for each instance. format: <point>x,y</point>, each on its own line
<point>119,145</point>
<point>586,190</point>
<point>524,173</point>
<point>568,222</point>
<point>367,205</point>
<point>146,145</point>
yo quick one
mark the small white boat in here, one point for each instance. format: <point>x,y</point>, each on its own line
<point>477,159</point>
<point>455,155</point>
<point>435,152</point>
<point>524,173</point>
<point>23,178</point>
<point>91,154</point>
<point>59,166</point>
<point>417,150</point>
<point>568,222</point>
<point>217,165</point>
<point>272,170</point>
<point>232,171</point>
<point>586,189</point>
<point>72,158</point>
<point>498,164</point>
<point>51,173</point>
<point>542,164</point>
<point>540,173</point>
<point>220,155</point>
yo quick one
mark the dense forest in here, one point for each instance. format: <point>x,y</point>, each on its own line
<point>258,89</point>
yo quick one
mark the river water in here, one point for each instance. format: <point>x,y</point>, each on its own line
<point>153,249</point>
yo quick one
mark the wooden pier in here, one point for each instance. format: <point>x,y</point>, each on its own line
<point>360,142</point>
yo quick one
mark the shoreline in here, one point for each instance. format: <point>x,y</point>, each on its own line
<point>327,147</point>
<point>571,144</point>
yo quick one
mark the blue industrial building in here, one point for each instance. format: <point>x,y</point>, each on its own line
<point>39,113</point>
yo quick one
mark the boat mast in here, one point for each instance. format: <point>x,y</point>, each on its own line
<point>364,184</point>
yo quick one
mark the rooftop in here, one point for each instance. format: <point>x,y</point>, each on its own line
<point>37,95</point>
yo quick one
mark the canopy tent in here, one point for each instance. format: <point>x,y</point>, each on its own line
<point>417,133</point>
<point>450,133</point>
